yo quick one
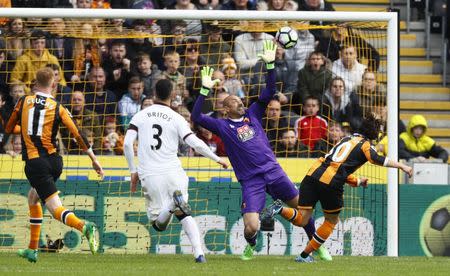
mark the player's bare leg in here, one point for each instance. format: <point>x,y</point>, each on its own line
<point>36,216</point>
<point>251,227</point>
<point>183,214</point>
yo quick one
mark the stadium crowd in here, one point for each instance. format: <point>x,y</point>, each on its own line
<point>327,82</point>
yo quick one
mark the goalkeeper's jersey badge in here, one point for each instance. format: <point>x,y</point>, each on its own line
<point>245,133</point>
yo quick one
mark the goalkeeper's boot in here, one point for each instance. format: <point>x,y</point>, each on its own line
<point>180,203</point>
<point>323,254</point>
<point>248,253</point>
<point>29,254</point>
<point>300,259</point>
<point>89,231</point>
<point>271,210</point>
<point>200,259</point>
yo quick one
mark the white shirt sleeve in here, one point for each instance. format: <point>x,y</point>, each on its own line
<point>200,147</point>
<point>130,137</point>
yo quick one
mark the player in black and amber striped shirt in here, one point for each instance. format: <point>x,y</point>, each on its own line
<point>39,117</point>
<point>326,178</point>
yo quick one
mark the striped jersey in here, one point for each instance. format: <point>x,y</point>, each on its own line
<point>39,117</point>
<point>337,167</point>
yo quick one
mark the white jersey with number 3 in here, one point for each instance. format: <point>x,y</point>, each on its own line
<point>159,131</point>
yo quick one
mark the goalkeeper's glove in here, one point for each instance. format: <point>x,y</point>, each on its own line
<point>207,82</point>
<point>268,55</point>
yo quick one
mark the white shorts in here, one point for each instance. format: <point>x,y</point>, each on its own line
<point>158,191</point>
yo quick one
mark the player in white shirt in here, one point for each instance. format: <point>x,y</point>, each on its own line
<point>164,182</point>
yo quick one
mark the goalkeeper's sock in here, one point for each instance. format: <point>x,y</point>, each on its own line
<point>293,215</point>
<point>310,228</point>
<point>68,218</point>
<point>191,229</point>
<point>36,216</point>
<point>251,239</point>
<point>163,219</point>
<point>319,237</point>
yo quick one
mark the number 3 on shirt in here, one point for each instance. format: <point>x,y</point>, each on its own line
<point>157,137</point>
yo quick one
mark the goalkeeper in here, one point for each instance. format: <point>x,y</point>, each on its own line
<point>249,151</point>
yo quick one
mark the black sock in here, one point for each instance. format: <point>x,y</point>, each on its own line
<point>304,254</point>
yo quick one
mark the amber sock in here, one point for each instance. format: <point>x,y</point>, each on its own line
<point>321,235</point>
<point>293,215</point>
<point>68,218</point>
<point>36,216</point>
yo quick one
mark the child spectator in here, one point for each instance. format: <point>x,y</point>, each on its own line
<point>335,134</point>
<point>14,146</point>
<point>149,74</point>
<point>415,144</point>
<point>130,103</point>
<point>232,82</point>
<point>213,141</point>
<point>172,63</point>
<point>112,142</point>
<point>310,128</point>
<point>146,102</point>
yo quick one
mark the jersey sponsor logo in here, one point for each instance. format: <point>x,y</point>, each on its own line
<point>245,133</point>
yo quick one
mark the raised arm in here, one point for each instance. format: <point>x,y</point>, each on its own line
<point>268,56</point>
<point>196,115</point>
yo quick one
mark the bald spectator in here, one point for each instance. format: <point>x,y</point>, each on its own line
<point>348,68</point>
<point>86,120</point>
<point>99,99</point>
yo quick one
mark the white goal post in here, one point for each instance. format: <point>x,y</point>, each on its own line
<point>392,63</point>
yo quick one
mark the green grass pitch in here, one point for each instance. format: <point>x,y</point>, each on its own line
<point>109,264</point>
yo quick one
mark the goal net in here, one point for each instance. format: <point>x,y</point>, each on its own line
<point>108,66</point>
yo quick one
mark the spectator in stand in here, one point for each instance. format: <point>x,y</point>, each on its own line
<point>100,4</point>
<point>130,103</point>
<point>16,39</point>
<point>37,57</point>
<point>84,4</point>
<point>277,5</point>
<point>348,68</point>
<point>238,5</point>
<point>60,45</point>
<point>311,127</point>
<point>219,112</point>
<point>176,43</point>
<point>14,145</point>
<point>99,99</point>
<point>61,93</point>
<point>146,102</point>
<point>370,93</point>
<point>117,68</point>
<point>212,46</point>
<point>301,51</point>
<point>16,91</point>
<point>148,73</point>
<point>248,46</point>
<point>415,144</point>
<point>193,26</point>
<point>315,5</point>
<point>138,45</point>
<point>290,146</point>
<point>4,72</point>
<point>232,83</point>
<point>86,54</point>
<point>335,134</point>
<point>112,141</point>
<point>341,36</point>
<point>85,120</point>
<point>172,63</point>
<point>274,123</point>
<point>190,68</point>
<point>314,79</point>
<point>213,141</point>
<point>4,117</point>
<point>342,107</point>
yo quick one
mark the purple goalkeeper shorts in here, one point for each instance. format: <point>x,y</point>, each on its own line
<point>275,182</point>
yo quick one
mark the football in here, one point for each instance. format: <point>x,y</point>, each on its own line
<point>286,37</point>
<point>435,228</point>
